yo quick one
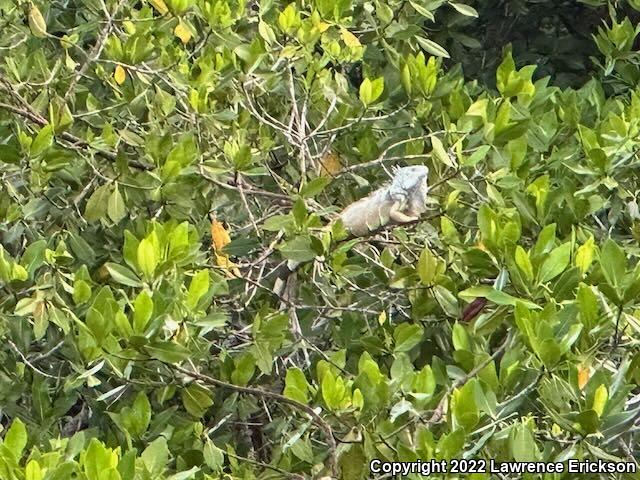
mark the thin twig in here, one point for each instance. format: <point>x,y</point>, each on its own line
<point>31,365</point>
<point>97,49</point>
<point>317,419</point>
<point>438,413</point>
<point>75,142</point>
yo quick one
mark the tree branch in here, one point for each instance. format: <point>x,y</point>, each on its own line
<point>438,413</point>
<point>317,419</point>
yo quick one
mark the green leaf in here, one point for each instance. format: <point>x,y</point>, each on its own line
<point>296,386</point>
<point>333,390</point>
<point>424,382</point>
<point>99,461</point>
<point>197,288</point>
<point>523,445</point>
<point>122,275</point>
<point>136,418</point>
<point>115,207</point>
<point>600,398</point>
<point>313,188</point>
<point>571,337</point>
<point>460,338</point>
<point>545,242</point>
<point>266,32</point>
<point>147,258</point>
<point>464,406</point>
<point>16,438</point>
<point>298,249</point>
<point>427,267</point>
<point>33,257</point>
<point>446,300</point>
<point>523,263</point>
<point>81,291</point>
<point>122,324</point>
<point>155,457</point>
<point>477,156</point>
<point>405,78</point>
<point>588,306</point>
<point>557,261</point>
<point>277,223</point>
<point>357,400</point>
<point>168,352</point>
<point>245,368</point>
<point>185,475</point>
<point>33,471</point>
<point>289,19</point>
<point>465,10</point>
<point>142,311</point>
<point>97,204</point>
<point>43,140</point>
<point>213,456</point>
<point>407,336</point>
<point>585,254</point>
<point>588,421</point>
<point>496,296</point>
<point>451,444</point>
<point>422,10</point>
<point>613,262</point>
<point>432,47</point>
<point>18,272</point>
<point>370,90</point>
<point>196,399</point>
<point>440,153</point>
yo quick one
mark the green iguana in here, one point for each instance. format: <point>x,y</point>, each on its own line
<point>403,201</point>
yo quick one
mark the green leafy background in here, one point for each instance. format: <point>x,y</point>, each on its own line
<point>177,300</point>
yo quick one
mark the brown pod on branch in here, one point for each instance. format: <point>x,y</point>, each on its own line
<point>473,309</point>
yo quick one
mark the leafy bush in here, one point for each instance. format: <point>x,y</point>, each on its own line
<point>179,302</point>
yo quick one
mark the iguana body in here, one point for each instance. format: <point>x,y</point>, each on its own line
<point>400,202</point>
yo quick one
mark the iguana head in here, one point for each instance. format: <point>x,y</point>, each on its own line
<point>408,179</point>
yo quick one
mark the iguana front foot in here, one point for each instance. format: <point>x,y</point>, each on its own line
<point>399,217</point>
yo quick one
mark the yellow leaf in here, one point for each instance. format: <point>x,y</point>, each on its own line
<point>182,32</point>
<point>160,6</point>
<point>129,27</point>
<point>223,261</point>
<point>120,75</point>
<point>322,27</point>
<point>330,164</point>
<point>231,268</point>
<point>583,377</point>
<point>349,39</point>
<point>600,398</point>
<point>584,255</point>
<point>36,22</point>
<point>219,235</point>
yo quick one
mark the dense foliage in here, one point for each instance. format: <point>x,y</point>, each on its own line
<point>178,301</point>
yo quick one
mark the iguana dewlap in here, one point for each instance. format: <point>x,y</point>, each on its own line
<point>403,201</point>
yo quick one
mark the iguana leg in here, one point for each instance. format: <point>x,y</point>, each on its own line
<point>399,217</point>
